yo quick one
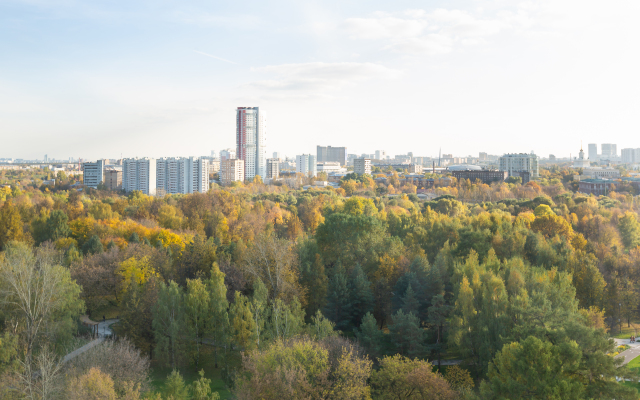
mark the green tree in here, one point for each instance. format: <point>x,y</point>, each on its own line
<point>534,369</point>
<point>242,323</point>
<point>438,315</point>
<point>285,320</point>
<point>134,238</point>
<point>258,307</point>
<point>175,388</point>
<point>56,227</point>
<point>321,327</point>
<point>338,307</point>
<point>361,295</point>
<point>168,322</point>
<point>38,292</point>
<point>197,317</point>
<point>219,328</point>
<point>201,389</point>
<point>629,228</point>
<point>370,335</point>
<point>406,335</point>
<point>136,318</point>
<point>410,303</point>
<point>92,246</point>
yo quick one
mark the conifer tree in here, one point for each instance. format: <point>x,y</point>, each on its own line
<point>410,303</point>
<point>370,336</point>
<point>361,295</point>
<point>134,238</point>
<point>198,319</point>
<point>406,336</point>
<point>338,308</point>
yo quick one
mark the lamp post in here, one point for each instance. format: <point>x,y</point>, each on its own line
<point>619,316</point>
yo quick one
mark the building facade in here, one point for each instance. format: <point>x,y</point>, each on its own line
<point>522,162</point>
<point>93,173</point>
<point>139,174</point>
<point>609,150</point>
<point>251,141</point>
<point>227,154</point>
<point>486,176</point>
<point>332,154</point>
<point>113,179</point>
<point>597,172</point>
<point>231,171</point>
<point>273,168</point>
<point>362,166</point>
<point>182,175</point>
<point>630,156</point>
<point>306,164</point>
<point>593,151</point>
<point>581,162</point>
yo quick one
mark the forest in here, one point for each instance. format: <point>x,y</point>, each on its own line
<point>367,291</point>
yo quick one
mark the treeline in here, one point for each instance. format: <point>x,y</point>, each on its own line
<point>327,296</point>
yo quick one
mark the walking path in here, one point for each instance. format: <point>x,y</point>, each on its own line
<point>104,329</point>
<point>629,354</point>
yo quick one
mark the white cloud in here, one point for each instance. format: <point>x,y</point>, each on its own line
<point>419,31</point>
<point>320,76</point>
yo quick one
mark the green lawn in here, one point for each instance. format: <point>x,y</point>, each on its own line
<point>634,364</point>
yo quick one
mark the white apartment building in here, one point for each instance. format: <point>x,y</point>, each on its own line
<point>593,151</point>
<point>182,175</point>
<point>329,167</point>
<point>597,172</point>
<point>93,173</point>
<point>231,171</point>
<point>362,166</point>
<point>522,162</point>
<point>251,141</point>
<point>139,174</point>
<point>306,165</point>
<point>609,150</point>
<point>630,156</point>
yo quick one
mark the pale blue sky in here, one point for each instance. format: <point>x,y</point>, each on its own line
<point>163,78</point>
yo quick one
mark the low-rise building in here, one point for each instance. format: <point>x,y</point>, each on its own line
<point>598,172</point>
<point>486,176</point>
<point>231,170</point>
<point>329,166</point>
<point>522,162</point>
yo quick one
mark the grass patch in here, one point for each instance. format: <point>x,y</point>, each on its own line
<point>634,364</point>
<point>159,372</point>
<point>109,311</point>
<point>627,331</point>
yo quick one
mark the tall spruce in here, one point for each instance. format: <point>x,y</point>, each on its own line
<point>361,295</point>
<point>338,308</point>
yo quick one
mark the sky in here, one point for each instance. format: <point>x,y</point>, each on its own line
<point>163,78</point>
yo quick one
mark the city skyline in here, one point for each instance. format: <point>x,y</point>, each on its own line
<point>166,79</point>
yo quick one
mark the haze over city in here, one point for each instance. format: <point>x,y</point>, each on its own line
<point>80,79</point>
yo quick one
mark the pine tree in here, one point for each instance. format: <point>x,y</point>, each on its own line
<point>338,308</point>
<point>410,303</point>
<point>406,336</point>
<point>92,246</point>
<point>134,238</point>
<point>219,328</point>
<point>168,322</point>
<point>361,295</point>
<point>370,336</point>
<point>175,388</point>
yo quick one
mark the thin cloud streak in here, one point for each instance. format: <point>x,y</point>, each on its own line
<point>217,58</point>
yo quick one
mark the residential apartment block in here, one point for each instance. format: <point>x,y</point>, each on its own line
<point>273,168</point>
<point>332,154</point>
<point>513,164</point>
<point>306,165</point>
<point>362,166</point>
<point>182,175</point>
<point>113,179</point>
<point>232,171</point>
<point>139,174</point>
<point>93,173</point>
<point>486,176</point>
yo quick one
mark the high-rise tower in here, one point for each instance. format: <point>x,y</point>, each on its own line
<point>251,135</point>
